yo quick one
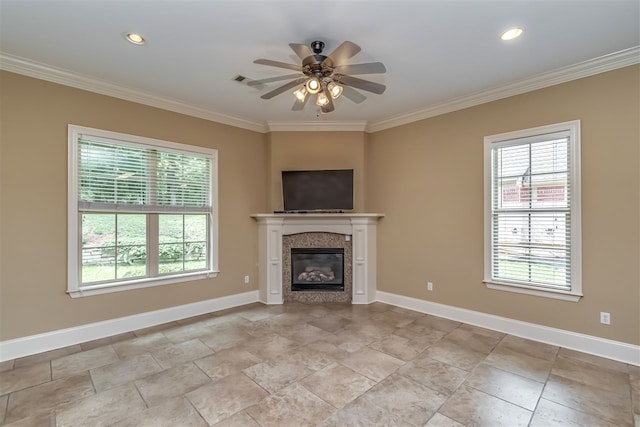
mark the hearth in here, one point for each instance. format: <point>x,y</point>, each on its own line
<point>317,269</point>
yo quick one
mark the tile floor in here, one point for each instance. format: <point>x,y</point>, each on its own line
<point>317,365</point>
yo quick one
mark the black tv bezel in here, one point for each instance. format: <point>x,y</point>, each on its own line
<point>336,209</point>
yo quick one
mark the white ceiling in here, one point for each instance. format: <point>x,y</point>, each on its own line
<point>439,55</point>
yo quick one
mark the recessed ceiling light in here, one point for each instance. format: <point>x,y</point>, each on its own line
<point>511,34</point>
<point>135,38</point>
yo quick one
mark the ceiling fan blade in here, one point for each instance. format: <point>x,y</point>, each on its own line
<point>353,95</point>
<point>272,79</point>
<point>278,64</point>
<point>343,52</point>
<point>360,83</point>
<point>302,50</point>
<point>328,107</point>
<point>299,105</point>
<point>366,68</point>
<point>283,88</point>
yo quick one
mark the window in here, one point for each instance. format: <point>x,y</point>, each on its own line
<point>532,211</point>
<point>142,212</point>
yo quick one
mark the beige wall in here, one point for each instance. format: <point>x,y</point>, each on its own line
<point>33,174</point>
<point>428,179</point>
<point>316,150</point>
<point>425,176</point>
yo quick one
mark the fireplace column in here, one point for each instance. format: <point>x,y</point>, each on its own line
<point>361,228</point>
<point>270,259</point>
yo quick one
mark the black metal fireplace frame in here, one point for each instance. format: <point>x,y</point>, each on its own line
<point>319,287</point>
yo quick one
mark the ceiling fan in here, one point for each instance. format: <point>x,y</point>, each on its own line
<point>326,76</point>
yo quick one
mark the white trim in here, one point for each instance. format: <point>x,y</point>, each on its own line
<point>616,350</point>
<point>33,344</point>
<point>74,263</point>
<point>318,126</point>
<point>610,62</point>
<point>572,129</point>
<point>147,282</point>
<point>360,226</point>
<point>27,67</point>
<point>613,61</point>
<point>531,290</point>
<point>76,132</point>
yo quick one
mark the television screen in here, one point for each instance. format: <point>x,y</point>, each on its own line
<point>317,190</point>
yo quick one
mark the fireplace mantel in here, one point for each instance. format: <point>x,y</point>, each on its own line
<point>361,227</point>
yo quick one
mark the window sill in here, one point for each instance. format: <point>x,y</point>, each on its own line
<point>139,284</point>
<point>527,290</point>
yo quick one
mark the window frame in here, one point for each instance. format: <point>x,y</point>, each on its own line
<point>575,293</point>
<point>74,231</point>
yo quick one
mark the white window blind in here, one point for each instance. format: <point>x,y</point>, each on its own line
<point>533,229</point>
<point>116,175</point>
<point>531,216</point>
<point>142,212</point>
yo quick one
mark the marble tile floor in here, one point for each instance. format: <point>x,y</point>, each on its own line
<point>317,365</point>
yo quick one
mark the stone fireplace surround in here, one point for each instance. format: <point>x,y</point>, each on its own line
<point>360,229</point>
<point>316,240</point>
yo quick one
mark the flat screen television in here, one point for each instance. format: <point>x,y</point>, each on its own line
<point>317,190</point>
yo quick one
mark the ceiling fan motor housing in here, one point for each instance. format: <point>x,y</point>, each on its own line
<point>317,66</point>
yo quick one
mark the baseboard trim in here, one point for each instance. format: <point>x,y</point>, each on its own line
<point>33,344</point>
<point>610,349</point>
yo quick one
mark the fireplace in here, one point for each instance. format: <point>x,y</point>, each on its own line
<point>355,233</point>
<point>317,269</point>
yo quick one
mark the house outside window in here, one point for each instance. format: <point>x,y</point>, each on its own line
<point>142,212</point>
<point>532,211</point>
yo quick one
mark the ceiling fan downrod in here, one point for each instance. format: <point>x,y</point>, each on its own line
<point>317,47</point>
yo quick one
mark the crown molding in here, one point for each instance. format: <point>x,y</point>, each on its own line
<point>357,126</point>
<point>588,68</point>
<point>41,71</point>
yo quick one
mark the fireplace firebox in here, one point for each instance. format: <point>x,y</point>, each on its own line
<point>317,269</point>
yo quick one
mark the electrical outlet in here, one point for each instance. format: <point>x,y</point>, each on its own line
<point>429,286</point>
<point>605,318</point>
<point>246,280</point>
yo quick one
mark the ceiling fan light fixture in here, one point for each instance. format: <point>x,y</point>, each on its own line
<point>301,93</point>
<point>334,89</point>
<point>313,85</point>
<point>322,99</point>
<point>325,76</point>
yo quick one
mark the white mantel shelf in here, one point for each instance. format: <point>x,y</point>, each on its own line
<point>360,226</point>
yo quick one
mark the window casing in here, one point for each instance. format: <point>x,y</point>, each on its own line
<point>141,212</point>
<point>532,211</point>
